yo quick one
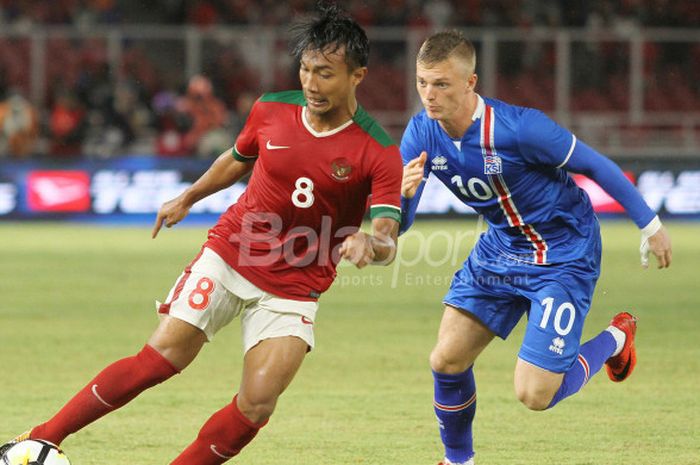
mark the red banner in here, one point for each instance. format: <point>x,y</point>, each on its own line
<point>58,191</point>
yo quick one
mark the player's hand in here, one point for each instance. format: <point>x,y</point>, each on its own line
<point>357,249</point>
<point>659,244</point>
<point>170,213</point>
<point>413,174</point>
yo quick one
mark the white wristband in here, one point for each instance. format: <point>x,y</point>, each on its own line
<point>652,228</point>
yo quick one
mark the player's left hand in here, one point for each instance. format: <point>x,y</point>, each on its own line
<point>659,244</point>
<point>357,249</point>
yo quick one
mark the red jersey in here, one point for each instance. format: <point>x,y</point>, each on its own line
<point>307,192</point>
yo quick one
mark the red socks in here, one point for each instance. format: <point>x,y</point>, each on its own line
<point>114,387</point>
<point>222,437</point>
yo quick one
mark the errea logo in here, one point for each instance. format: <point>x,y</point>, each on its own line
<point>439,163</point>
<point>557,345</point>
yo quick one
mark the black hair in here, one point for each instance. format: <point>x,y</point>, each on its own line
<point>332,30</point>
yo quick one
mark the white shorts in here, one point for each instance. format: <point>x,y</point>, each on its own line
<point>209,294</point>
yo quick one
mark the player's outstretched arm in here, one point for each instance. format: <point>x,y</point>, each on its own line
<point>379,248</point>
<point>225,171</point>
<point>610,177</point>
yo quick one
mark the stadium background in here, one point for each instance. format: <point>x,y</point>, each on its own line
<point>108,108</point>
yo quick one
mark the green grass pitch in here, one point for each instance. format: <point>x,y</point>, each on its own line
<point>73,298</point>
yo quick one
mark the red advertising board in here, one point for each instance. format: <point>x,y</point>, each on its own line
<point>58,191</point>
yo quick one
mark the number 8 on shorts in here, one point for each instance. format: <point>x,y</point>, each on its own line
<point>200,296</point>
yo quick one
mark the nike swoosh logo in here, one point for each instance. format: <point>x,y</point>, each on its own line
<point>306,320</point>
<point>94,391</point>
<point>269,146</point>
<point>213,449</point>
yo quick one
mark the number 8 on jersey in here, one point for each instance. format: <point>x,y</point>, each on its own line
<point>303,196</point>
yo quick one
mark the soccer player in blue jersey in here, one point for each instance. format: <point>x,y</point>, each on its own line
<point>541,253</point>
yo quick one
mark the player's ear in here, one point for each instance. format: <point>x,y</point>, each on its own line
<point>358,74</point>
<point>471,82</point>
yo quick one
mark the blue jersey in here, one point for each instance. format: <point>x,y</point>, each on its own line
<point>508,166</point>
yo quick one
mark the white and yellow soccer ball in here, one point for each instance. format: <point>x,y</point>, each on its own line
<point>34,452</point>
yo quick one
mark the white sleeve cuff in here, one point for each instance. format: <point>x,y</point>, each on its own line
<point>652,228</point>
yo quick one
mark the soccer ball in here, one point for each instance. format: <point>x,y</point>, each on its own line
<point>34,452</point>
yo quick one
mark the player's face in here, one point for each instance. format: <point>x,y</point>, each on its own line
<point>328,84</point>
<point>445,88</point>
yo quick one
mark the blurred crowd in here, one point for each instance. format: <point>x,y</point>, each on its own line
<point>148,105</point>
<point>487,13</point>
<point>440,13</point>
<point>106,119</point>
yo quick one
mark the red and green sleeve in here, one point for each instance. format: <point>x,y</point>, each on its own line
<point>386,185</point>
<point>246,147</point>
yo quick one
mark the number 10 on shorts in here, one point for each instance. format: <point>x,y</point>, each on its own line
<point>566,307</point>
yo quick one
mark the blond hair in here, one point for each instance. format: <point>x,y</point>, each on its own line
<point>443,45</point>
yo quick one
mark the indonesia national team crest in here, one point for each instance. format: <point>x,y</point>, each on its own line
<point>341,169</point>
<point>492,164</point>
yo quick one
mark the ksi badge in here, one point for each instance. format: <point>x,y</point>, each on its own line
<point>492,164</point>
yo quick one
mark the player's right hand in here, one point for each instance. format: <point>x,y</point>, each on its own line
<point>413,175</point>
<point>170,213</point>
<point>659,244</point>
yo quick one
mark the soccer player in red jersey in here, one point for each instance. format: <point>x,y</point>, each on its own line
<point>315,156</point>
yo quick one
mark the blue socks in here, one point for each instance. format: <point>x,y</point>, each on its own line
<point>455,395</point>
<point>455,406</point>
<point>591,358</point>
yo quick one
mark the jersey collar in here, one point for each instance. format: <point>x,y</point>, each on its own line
<point>480,106</point>
<point>323,133</point>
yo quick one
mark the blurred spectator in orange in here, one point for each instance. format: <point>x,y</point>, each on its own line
<point>214,142</point>
<point>19,126</point>
<point>207,113</point>
<point>67,125</point>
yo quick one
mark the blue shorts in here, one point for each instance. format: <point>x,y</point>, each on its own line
<point>556,298</point>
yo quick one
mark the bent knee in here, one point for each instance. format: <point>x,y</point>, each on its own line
<point>256,410</point>
<point>442,362</point>
<point>534,398</point>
